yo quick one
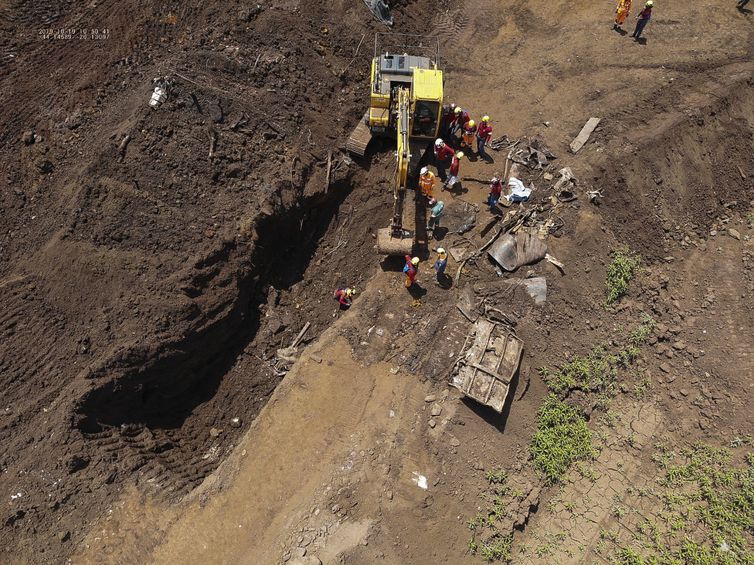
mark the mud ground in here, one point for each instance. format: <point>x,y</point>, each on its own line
<point>146,290</point>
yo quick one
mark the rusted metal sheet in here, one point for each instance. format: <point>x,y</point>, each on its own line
<point>489,365</point>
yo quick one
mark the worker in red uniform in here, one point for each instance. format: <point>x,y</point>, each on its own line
<point>459,122</point>
<point>411,269</point>
<point>496,189</point>
<point>455,165</point>
<point>483,137</point>
<point>443,157</point>
<point>344,296</point>
<point>448,115</point>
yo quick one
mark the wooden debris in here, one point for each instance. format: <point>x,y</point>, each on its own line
<point>212,143</point>
<point>123,144</point>
<point>300,335</point>
<point>584,134</point>
<point>329,169</point>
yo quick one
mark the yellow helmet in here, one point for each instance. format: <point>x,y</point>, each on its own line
<point>487,118</point>
<point>350,291</point>
<point>458,110</point>
<point>415,261</point>
<point>459,155</point>
<point>472,123</point>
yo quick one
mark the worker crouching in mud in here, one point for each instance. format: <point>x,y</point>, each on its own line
<point>344,296</point>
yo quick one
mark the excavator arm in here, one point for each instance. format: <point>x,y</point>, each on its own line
<point>403,157</point>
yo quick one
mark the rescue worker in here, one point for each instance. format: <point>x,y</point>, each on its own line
<point>642,20</point>
<point>467,137</point>
<point>443,156</point>
<point>461,119</point>
<point>496,190</point>
<point>437,207</point>
<point>448,115</point>
<point>427,182</point>
<point>344,296</point>
<point>411,269</point>
<point>621,13</point>
<point>455,165</point>
<point>483,137</point>
<point>441,264</point>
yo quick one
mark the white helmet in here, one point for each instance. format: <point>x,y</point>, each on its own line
<point>424,170</point>
<point>441,251</point>
<point>439,142</point>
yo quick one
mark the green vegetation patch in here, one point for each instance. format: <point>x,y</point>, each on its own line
<point>619,274</point>
<point>487,539</point>
<point>597,372</point>
<point>705,512</point>
<point>562,437</point>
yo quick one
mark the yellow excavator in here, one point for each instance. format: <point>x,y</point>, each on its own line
<point>405,103</point>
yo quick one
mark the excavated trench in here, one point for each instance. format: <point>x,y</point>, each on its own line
<point>170,417</point>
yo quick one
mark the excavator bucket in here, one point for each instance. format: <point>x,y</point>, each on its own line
<point>360,137</point>
<point>387,244</point>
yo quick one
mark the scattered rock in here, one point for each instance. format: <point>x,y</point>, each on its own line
<point>336,508</point>
<point>436,410</point>
<point>45,166</point>
<point>389,495</point>
<point>735,234</point>
<point>235,422</point>
<point>214,432</point>
<point>76,463</point>
<point>28,137</point>
<point>316,358</point>
<point>666,368</point>
<point>679,345</point>
<point>430,398</point>
<point>64,536</point>
<point>432,423</point>
<point>455,442</point>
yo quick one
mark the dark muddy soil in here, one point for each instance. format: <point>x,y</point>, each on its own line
<point>145,280</point>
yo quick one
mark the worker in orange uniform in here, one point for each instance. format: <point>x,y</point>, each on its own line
<point>455,165</point>
<point>411,269</point>
<point>427,182</point>
<point>443,157</point>
<point>467,138</point>
<point>483,137</point>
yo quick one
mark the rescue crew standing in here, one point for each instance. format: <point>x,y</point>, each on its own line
<point>443,156</point>
<point>483,137</point>
<point>411,269</point>
<point>427,182</point>
<point>643,19</point>
<point>621,13</point>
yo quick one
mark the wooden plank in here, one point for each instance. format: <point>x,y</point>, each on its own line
<point>584,134</point>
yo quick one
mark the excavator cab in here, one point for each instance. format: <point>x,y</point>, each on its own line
<point>405,102</point>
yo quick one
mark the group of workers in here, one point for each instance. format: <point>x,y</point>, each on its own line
<point>411,268</point>
<point>642,19</point>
